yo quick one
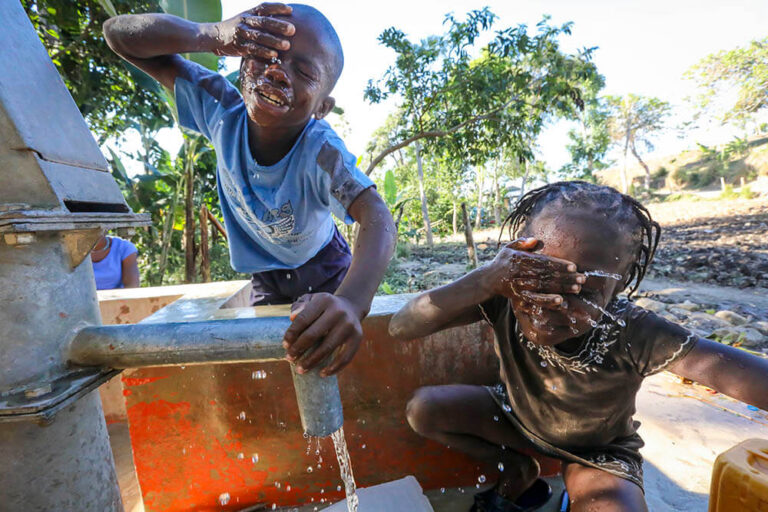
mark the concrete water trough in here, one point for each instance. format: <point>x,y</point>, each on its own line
<point>187,433</point>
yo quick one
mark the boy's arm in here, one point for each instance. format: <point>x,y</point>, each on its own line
<point>152,42</point>
<point>456,303</point>
<point>336,318</point>
<point>730,371</point>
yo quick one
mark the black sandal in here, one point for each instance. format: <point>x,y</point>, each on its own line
<point>534,497</point>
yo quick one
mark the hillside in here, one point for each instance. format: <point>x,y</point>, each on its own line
<point>698,169</point>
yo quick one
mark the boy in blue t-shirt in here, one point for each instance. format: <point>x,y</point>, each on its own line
<point>282,170</point>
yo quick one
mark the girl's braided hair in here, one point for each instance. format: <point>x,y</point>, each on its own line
<point>615,206</point>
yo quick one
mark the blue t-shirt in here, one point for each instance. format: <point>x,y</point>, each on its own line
<point>109,271</point>
<point>278,216</point>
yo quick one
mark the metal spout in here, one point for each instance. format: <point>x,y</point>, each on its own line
<point>214,341</point>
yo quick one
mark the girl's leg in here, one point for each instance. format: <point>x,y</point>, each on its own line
<point>468,419</point>
<point>594,490</point>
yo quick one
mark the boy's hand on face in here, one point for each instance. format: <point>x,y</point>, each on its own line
<point>539,280</point>
<point>325,322</point>
<point>255,32</point>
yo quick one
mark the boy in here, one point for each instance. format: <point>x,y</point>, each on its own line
<point>281,168</point>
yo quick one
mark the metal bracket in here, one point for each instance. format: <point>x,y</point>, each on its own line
<point>41,403</point>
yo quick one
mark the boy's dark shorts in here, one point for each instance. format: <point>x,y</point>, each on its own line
<point>323,273</point>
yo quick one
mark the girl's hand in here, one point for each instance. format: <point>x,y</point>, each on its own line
<point>255,32</point>
<point>518,272</point>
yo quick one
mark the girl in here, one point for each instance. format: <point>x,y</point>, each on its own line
<point>572,354</point>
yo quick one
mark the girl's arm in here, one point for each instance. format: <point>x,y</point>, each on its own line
<point>730,371</point>
<point>456,303</point>
<point>450,305</point>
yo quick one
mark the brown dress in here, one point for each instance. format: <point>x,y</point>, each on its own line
<point>579,406</point>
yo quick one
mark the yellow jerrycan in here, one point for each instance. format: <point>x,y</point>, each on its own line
<point>740,479</point>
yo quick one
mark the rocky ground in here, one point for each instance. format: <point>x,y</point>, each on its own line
<point>721,244</point>
<point>726,245</point>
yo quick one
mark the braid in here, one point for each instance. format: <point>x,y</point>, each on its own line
<point>618,207</point>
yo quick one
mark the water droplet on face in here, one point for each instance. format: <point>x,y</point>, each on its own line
<point>240,456</point>
<point>501,466</point>
<point>481,479</point>
<point>241,416</point>
<point>255,458</point>
<point>223,498</point>
<point>338,487</point>
<point>309,469</point>
<point>288,488</point>
<point>363,447</point>
<point>277,484</point>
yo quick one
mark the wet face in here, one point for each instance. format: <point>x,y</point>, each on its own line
<point>578,236</point>
<point>291,90</point>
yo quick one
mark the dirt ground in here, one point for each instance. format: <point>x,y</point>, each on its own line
<point>716,242</point>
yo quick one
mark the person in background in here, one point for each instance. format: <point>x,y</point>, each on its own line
<point>114,263</point>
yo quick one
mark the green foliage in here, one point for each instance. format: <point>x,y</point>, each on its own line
<point>589,143</point>
<point>200,11</point>
<point>468,107</point>
<point>743,193</point>
<point>102,86</point>
<point>636,119</point>
<point>717,75</point>
<point>713,164</point>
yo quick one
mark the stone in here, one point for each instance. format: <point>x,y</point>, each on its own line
<point>651,305</point>
<point>704,324</point>
<point>745,336</point>
<point>688,306</point>
<point>751,338</point>
<point>669,316</point>
<point>761,326</point>
<point>679,312</point>
<point>731,317</point>
<point>403,494</point>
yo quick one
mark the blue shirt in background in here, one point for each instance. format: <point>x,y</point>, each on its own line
<point>109,271</point>
<point>278,216</point>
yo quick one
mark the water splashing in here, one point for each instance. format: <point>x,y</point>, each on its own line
<point>345,469</point>
<point>603,273</point>
<point>604,312</point>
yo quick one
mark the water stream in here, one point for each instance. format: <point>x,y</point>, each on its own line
<point>345,469</point>
<point>603,273</point>
<point>604,312</point>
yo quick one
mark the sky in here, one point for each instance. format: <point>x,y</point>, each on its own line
<point>644,47</point>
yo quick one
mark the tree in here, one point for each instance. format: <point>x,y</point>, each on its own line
<point>102,85</point>
<point>590,141</point>
<point>744,69</point>
<point>635,120</point>
<point>466,107</point>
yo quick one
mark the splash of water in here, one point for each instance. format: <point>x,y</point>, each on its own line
<point>345,469</point>
<point>603,273</point>
<point>604,312</point>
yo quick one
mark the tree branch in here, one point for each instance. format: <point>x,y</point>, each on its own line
<point>432,134</point>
